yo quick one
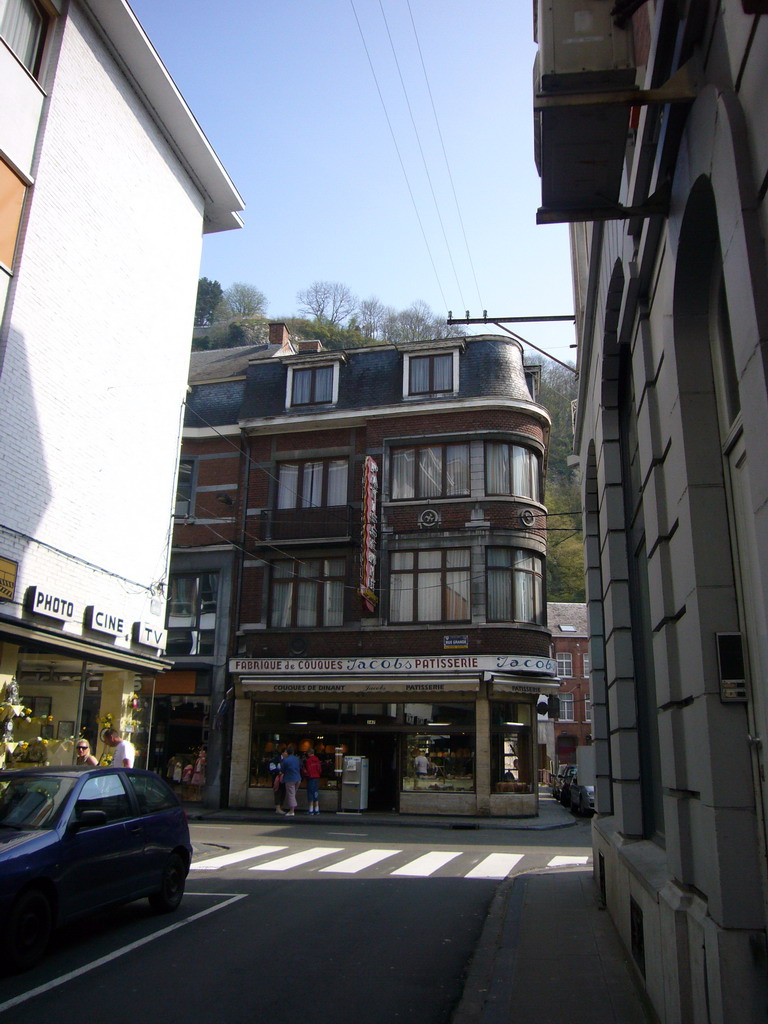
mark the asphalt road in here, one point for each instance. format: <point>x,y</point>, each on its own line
<point>337,923</point>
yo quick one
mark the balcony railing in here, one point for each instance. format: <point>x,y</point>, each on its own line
<point>306,523</point>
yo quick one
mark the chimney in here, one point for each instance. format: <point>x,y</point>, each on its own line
<point>310,345</point>
<point>278,335</point>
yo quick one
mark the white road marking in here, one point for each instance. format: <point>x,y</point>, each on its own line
<point>352,865</point>
<point>226,859</point>
<point>426,865</point>
<point>495,865</point>
<point>296,860</point>
<point>87,968</point>
<point>561,862</point>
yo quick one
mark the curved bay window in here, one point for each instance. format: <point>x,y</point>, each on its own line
<point>430,471</point>
<point>430,586</point>
<point>512,748</point>
<point>514,585</point>
<point>511,469</point>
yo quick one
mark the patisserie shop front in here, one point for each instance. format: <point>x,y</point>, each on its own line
<point>453,735</point>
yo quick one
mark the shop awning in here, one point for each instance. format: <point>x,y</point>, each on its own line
<point>388,689</point>
<point>509,685</point>
<point>86,650</point>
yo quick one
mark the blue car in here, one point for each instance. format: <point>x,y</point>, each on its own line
<point>75,840</point>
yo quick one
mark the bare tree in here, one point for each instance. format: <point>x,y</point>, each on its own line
<point>242,299</point>
<point>417,323</point>
<point>372,315</point>
<point>329,301</point>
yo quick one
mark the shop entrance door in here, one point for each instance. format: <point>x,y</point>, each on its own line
<point>381,751</point>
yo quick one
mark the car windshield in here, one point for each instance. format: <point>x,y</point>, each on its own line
<point>27,801</point>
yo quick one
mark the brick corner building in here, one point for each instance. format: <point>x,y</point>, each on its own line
<point>359,562</point>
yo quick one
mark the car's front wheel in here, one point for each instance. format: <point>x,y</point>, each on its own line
<point>171,890</point>
<point>27,931</point>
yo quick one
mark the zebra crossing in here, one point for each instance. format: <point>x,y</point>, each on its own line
<point>352,861</point>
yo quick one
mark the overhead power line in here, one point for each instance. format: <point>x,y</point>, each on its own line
<point>399,155</point>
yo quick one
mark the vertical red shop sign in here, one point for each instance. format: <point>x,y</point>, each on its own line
<point>370,532</point>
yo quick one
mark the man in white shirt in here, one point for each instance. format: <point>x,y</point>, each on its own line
<point>125,752</point>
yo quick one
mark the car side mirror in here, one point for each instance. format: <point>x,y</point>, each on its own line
<point>89,819</point>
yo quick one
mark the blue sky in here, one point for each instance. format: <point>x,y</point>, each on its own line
<point>339,186</point>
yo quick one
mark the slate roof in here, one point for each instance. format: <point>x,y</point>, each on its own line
<point>565,613</point>
<point>490,366</point>
<point>221,362</point>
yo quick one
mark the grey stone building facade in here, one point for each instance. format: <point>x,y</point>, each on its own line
<point>669,255</point>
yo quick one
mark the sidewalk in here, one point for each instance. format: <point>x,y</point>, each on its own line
<point>551,816</point>
<point>549,954</point>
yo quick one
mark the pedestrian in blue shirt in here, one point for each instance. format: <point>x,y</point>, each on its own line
<point>290,766</point>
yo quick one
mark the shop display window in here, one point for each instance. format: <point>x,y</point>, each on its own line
<point>268,747</point>
<point>439,763</point>
<point>440,756</point>
<point>446,732</point>
<point>512,768</point>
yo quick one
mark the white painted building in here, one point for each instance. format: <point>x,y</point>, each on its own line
<point>654,145</point>
<point>107,185</point>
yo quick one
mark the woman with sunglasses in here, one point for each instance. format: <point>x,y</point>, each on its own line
<point>84,755</point>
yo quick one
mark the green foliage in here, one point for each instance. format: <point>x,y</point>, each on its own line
<point>565,542</point>
<point>242,300</point>
<point>209,296</point>
<point>332,336</point>
<point>231,334</point>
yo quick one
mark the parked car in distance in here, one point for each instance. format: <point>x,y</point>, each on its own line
<point>581,796</point>
<point>74,840</point>
<point>558,779</point>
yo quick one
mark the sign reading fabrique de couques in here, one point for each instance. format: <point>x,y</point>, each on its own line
<point>412,665</point>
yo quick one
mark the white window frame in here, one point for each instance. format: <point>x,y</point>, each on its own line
<point>316,364</point>
<point>564,660</point>
<point>422,395</point>
<point>566,701</point>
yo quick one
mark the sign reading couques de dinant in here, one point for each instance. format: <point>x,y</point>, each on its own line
<point>526,664</point>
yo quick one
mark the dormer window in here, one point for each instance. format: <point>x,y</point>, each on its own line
<point>431,374</point>
<point>312,380</point>
<point>312,386</point>
<point>431,369</point>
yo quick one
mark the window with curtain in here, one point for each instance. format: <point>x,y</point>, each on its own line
<point>515,585</point>
<point>430,374</point>
<point>307,593</point>
<point>191,616</point>
<point>511,469</point>
<point>430,586</point>
<point>430,471</point>
<point>312,484</point>
<point>22,26</point>
<point>312,386</point>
